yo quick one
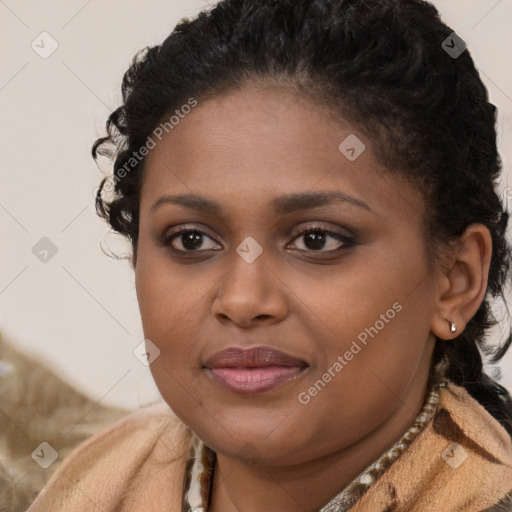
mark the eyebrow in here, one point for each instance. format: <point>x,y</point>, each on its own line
<point>281,205</point>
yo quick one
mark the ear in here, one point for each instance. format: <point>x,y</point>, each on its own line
<point>463,283</point>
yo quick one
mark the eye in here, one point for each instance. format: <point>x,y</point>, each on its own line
<point>315,239</point>
<point>190,240</point>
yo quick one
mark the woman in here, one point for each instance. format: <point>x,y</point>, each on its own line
<point>309,188</point>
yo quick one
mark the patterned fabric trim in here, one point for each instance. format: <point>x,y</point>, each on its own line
<point>198,476</point>
<point>201,462</point>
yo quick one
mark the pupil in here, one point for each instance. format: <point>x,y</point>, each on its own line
<point>190,240</point>
<point>317,238</point>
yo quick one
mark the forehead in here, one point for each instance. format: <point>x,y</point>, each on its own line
<point>257,143</point>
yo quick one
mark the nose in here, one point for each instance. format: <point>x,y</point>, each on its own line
<point>249,294</point>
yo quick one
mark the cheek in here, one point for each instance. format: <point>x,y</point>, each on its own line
<point>167,320</point>
<point>170,303</point>
<point>347,301</point>
<point>165,293</point>
<point>373,346</point>
<point>150,295</point>
<point>353,395</point>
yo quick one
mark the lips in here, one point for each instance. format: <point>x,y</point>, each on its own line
<point>253,357</point>
<point>253,370</point>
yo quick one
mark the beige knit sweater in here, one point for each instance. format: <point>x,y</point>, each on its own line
<point>460,462</point>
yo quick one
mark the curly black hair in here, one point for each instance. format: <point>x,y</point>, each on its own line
<point>383,65</point>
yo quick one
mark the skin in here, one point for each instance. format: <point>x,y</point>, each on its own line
<point>243,149</point>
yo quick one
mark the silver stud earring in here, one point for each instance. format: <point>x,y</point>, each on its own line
<point>453,327</point>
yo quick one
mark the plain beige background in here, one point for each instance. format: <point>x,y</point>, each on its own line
<point>78,311</point>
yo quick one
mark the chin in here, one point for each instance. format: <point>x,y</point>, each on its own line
<point>253,445</point>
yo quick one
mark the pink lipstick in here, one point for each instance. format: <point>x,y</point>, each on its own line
<point>253,370</point>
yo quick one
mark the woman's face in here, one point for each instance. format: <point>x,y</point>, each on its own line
<point>352,301</point>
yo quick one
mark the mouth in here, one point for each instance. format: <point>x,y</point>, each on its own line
<point>254,370</point>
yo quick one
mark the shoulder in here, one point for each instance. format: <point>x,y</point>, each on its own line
<point>477,454</point>
<point>143,450</point>
<point>470,451</point>
<point>460,461</point>
<point>460,416</point>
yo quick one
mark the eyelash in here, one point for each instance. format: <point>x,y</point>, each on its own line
<point>347,241</point>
